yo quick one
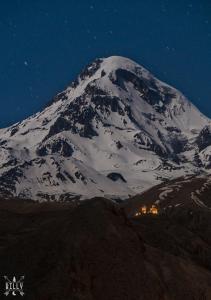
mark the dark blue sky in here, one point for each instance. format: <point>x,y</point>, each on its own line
<point>46,43</point>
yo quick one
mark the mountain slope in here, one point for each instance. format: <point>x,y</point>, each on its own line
<point>96,252</point>
<point>114,131</point>
<point>187,193</point>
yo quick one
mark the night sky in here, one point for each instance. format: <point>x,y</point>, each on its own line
<point>46,43</point>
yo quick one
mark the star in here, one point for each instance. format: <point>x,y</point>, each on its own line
<point>26,63</point>
<point>18,108</point>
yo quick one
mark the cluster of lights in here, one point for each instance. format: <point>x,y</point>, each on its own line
<point>144,210</point>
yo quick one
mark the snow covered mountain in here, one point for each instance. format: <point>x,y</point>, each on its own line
<point>115,131</point>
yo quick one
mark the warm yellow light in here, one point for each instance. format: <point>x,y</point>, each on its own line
<point>153,210</point>
<point>143,210</point>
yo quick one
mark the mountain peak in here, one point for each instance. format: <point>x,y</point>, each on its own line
<point>103,67</point>
<point>116,62</point>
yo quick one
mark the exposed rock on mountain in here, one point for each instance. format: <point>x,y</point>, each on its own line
<point>115,118</point>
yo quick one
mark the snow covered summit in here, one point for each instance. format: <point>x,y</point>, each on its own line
<point>115,131</point>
